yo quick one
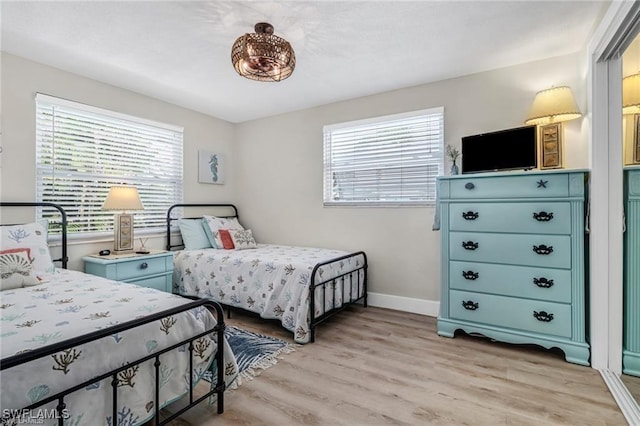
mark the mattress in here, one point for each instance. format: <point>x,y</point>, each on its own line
<point>71,304</point>
<point>271,280</point>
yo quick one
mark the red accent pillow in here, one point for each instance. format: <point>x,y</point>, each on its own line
<point>227,241</point>
<point>18,250</point>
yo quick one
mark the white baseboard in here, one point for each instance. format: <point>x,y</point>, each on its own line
<point>627,403</point>
<point>407,304</point>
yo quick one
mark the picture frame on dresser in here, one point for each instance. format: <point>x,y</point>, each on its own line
<point>514,258</point>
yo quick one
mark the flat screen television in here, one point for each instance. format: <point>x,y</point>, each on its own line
<point>510,149</point>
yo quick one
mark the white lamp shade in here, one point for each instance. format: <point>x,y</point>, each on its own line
<point>122,198</point>
<point>631,94</point>
<point>553,106</point>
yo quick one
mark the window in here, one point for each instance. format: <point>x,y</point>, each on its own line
<point>384,161</point>
<point>81,151</point>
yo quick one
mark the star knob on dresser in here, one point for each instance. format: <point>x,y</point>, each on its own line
<point>153,270</point>
<point>514,258</point>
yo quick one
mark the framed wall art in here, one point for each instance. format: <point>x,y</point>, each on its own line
<point>211,167</point>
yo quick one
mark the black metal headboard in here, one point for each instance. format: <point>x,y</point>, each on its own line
<point>64,259</point>
<point>213,206</point>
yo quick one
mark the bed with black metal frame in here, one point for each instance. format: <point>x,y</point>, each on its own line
<point>321,289</point>
<point>58,399</point>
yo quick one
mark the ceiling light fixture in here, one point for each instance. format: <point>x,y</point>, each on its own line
<point>263,56</point>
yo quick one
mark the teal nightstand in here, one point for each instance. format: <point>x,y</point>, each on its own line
<point>153,270</point>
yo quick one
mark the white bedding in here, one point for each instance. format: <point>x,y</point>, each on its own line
<point>73,303</point>
<point>272,280</point>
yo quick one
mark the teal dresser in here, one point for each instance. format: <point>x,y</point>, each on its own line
<point>631,344</point>
<point>513,258</point>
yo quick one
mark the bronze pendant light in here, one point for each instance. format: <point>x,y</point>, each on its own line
<point>263,56</point>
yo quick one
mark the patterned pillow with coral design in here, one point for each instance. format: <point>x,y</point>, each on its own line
<point>243,239</point>
<point>32,236</point>
<point>15,269</point>
<point>216,223</point>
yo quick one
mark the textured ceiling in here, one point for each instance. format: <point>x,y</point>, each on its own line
<point>179,51</point>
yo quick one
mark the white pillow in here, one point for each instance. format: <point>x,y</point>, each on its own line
<point>242,239</point>
<point>15,269</point>
<point>32,236</point>
<point>216,223</point>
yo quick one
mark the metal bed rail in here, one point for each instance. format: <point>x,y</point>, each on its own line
<point>360,274</point>
<point>64,259</point>
<point>70,344</point>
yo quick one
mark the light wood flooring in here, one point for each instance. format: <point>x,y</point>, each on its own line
<point>373,366</point>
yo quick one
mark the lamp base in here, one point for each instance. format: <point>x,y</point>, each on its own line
<point>123,233</point>
<point>550,146</point>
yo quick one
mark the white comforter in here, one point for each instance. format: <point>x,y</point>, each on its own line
<point>72,303</point>
<point>271,280</point>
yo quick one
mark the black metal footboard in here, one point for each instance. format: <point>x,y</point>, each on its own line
<point>355,278</point>
<point>69,344</point>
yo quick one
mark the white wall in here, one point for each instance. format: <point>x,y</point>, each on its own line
<point>274,165</point>
<point>22,79</point>
<point>279,170</point>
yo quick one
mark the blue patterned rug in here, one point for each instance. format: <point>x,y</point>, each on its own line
<point>254,352</point>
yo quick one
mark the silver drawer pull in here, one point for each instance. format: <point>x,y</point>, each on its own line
<point>144,265</point>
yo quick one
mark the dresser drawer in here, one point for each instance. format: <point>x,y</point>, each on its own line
<point>531,218</point>
<point>161,282</point>
<point>551,251</point>
<point>534,185</point>
<point>521,314</point>
<point>131,269</point>
<point>520,281</point>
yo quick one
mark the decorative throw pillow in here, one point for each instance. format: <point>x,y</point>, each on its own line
<point>15,269</point>
<point>207,231</point>
<point>216,223</point>
<point>227,242</point>
<point>32,236</point>
<point>243,239</point>
<point>193,234</point>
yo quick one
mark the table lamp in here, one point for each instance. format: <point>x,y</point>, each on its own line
<point>122,198</point>
<point>550,108</point>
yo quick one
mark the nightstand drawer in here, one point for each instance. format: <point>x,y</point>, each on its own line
<point>130,269</point>
<point>530,218</point>
<point>535,185</point>
<point>549,251</point>
<point>526,315</point>
<point>161,282</point>
<point>520,281</point>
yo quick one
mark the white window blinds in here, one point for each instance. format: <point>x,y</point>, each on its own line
<point>81,151</point>
<point>391,160</point>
